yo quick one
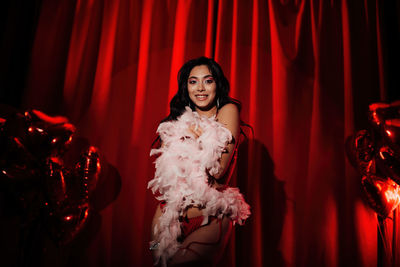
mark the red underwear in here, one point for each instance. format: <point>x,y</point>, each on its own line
<point>189,225</point>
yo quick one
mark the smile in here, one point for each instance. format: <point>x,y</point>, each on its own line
<point>201,97</point>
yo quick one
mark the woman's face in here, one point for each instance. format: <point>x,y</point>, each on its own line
<point>202,87</point>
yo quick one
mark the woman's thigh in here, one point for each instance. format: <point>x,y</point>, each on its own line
<point>205,244</point>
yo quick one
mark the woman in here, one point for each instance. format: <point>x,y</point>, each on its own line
<point>199,139</point>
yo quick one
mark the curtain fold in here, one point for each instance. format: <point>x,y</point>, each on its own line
<point>305,72</point>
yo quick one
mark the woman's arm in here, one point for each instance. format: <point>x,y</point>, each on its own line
<point>228,116</point>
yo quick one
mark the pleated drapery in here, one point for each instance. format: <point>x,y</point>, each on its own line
<point>305,72</point>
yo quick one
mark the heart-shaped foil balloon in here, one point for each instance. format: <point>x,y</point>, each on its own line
<point>17,164</point>
<point>391,133</point>
<point>32,147</point>
<point>380,112</point>
<point>68,220</point>
<point>87,170</point>
<point>67,207</point>
<point>46,135</point>
<point>383,194</point>
<point>56,183</point>
<point>389,163</point>
<point>364,151</point>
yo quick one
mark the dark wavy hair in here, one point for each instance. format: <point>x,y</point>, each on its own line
<point>181,98</point>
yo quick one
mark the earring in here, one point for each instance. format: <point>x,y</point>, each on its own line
<point>217,102</point>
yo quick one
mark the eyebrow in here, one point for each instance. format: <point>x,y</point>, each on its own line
<point>206,76</point>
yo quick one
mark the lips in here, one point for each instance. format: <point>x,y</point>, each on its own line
<point>201,97</point>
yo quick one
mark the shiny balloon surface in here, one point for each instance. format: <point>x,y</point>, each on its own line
<point>376,155</point>
<point>32,149</point>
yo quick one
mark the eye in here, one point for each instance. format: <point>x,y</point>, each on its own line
<point>192,82</point>
<point>209,81</point>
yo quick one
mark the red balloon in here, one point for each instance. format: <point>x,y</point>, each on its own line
<point>68,195</point>
<point>68,220</point>
<point>47,135</point>
<point>68,205</point>
<point>377,114</point>
<point>379,156</point>
<point>364,151</point>
<point>33,145</point>
<point>383,194</point>
<point>88,169</point>
<point>38,115</point>
<point>18,173</point>
<point>391,133</point>
<point>56,183</point>
<point>16,162</point>
<point>389,163</point>
<point>380,112</point>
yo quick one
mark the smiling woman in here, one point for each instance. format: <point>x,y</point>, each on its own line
<point>202,89</point>
<point>193,222</point>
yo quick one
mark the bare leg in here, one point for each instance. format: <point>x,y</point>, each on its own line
<point>156,217</point>
<point>204,246</point>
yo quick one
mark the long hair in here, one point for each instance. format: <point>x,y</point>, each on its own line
<point>181,98</point>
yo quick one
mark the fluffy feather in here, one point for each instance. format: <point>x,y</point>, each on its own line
<point>181,177</point>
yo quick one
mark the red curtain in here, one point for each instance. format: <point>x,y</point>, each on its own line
<point>305,72</point>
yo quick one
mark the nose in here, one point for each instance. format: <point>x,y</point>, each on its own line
<point>200,87</point>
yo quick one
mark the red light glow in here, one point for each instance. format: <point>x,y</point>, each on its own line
<point>64,186</point>
<point>378,186</point>
<point>392,196</point>
<point>375,118</point>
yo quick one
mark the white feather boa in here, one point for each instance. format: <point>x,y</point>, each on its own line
<point>181,177</point>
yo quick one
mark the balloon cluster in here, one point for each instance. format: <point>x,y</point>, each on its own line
<point>376,155</point>
<point>32,149</point>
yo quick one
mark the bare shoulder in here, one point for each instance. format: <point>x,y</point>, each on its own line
<point>228,112</point>
<point>228,115</point>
